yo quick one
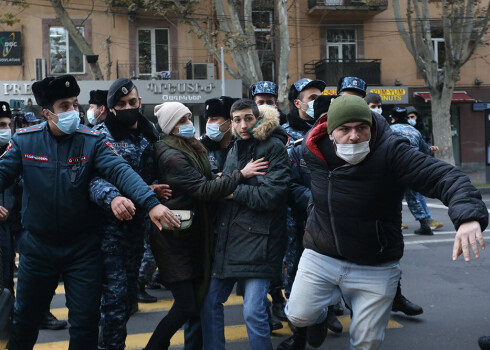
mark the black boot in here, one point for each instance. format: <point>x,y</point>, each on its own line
<point>332,322</point>
<point>424,228</point>
<point>338,309</point>
<point>484,343</point>
<point>51,322</point>
<point>317,333</point>
<point>295,342</point>
<point>278,309</point>
<point>143,296</point>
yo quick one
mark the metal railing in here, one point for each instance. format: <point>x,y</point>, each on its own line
<point>330,71</point>
<point>130,70</point>
<point>343,3</point>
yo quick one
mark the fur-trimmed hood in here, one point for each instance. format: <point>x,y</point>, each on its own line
<point>269,124</point>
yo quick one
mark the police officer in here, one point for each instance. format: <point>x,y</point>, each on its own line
<point>6,202</point>
<point>57,159</point>
<point>218,130</point>
<point>264,93</point>
<point>97,111</point>
<point>132,136</point>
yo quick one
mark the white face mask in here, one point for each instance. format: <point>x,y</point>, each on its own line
<point>377,110</point>
<point>353,153</point>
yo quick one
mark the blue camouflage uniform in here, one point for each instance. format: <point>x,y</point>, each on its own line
<point>122,241</point>
<point>299,195</point>
<point>61,220</point>
<point>415,200</point>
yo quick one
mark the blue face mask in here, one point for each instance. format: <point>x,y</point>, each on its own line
<point>214,133</point>
<point>5,136</point>
<point>68,122</point>
<point>186,131</point>
<point>271,106</point>
<point>412,122</point>
<point>310,111</point>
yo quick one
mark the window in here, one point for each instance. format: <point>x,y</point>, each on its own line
<point>341,44</point>
<point>64,55</point>
<point>439,52</point>
<point>263,22</point>
<point>153,51</point>
<point>268,68</point>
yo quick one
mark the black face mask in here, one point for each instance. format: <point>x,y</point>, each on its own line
<point>127,117</point>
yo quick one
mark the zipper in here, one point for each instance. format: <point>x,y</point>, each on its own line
<point>332,223</point>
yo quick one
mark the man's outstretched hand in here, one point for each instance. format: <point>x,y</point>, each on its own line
<point>467,236</point>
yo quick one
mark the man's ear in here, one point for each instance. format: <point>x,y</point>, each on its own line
<point>47,114</point>
<point>331,137</point>
<point>139,98</point>
<point>112,110</point>
<point>103,109</point>
<point>297,103</point>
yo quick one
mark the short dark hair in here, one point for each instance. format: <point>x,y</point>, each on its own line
<point>245,103</point>
<point>372,98</point>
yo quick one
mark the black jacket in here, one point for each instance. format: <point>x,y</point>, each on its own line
<point>355,212</point>
<point>181,256</point>
<point>251,228</point>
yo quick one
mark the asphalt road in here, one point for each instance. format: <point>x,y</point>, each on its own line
<point>455,297</point>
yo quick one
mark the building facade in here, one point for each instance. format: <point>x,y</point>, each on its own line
<point>328,39</point>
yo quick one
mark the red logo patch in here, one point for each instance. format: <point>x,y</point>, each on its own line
<point>111,147</point>
<point>36,158</point>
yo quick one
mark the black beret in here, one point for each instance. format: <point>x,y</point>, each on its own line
<point>121,87</point>
<point>98,97</point>
<point>218,107</point>
<point>321,104</point>
<point>5,110</point>
<point>50,89</point>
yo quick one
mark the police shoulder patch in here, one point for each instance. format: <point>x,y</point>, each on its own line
<point>109,145</point>
<point>30,129</point>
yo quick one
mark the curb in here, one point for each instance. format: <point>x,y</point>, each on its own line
<point>484,190</point>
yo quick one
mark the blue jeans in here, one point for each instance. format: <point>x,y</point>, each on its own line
<point>423,203</point>
<point>368,290</point>
<point>254,312</point>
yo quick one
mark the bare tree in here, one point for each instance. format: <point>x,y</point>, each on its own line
<point>77,37</point>
<point>463,24</point>
<point>234,31</point>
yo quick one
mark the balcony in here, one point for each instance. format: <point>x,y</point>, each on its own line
<point>351,8</point>
<point>330,71</point>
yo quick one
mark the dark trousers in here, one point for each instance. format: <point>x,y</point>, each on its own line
<point>182,310</point>
<point>193,334</point>
<point>121,263</point>
<point>6,250</point>
<point>41,264</point>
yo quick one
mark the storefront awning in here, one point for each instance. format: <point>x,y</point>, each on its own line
<point>458,97</point>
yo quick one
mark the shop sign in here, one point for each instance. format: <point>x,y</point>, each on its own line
<point>480,107</point>
<point>11,49</point>
<point>389,94</point>
<point>150,91</point>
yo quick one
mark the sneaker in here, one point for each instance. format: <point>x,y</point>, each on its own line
<point>295,342</point>
<point>484,343</point>
<point>433,224</point>
<point>404,226</point>
<point>51,322</point>
<point>400,303</point>
<point>317,333</point>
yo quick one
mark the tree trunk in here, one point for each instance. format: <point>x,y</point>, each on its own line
<point>282,80</point>
<point>108,65</point>
<point>441,124</point>
<point>78,38</point>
